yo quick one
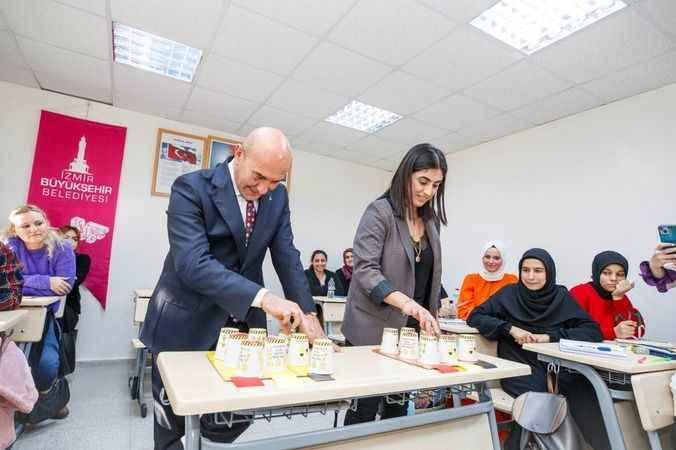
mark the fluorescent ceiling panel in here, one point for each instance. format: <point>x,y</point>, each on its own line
<point>363,117</point>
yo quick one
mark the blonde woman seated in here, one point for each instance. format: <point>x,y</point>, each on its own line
<point>478,287</point>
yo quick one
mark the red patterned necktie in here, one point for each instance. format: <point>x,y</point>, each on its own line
<point>250,221</point>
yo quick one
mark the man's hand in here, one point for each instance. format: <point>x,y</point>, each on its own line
<point>288,313</point>
<point>622,288</point>
<point>311,326</point>
<point>522,336</point>
<point>541,338</point>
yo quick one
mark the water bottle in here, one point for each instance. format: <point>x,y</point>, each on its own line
<point>332,288</point>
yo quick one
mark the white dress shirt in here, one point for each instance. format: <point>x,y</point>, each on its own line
<point>241,201</point>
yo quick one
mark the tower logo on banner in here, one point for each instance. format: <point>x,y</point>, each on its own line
<point>75,178</point>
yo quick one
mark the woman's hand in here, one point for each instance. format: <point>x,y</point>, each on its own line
<point>522,336</point>
<point>59,285</point>
<point>664,254</point>
<point>423,316</point>
<point>622,288</point>
<point>625,329</point>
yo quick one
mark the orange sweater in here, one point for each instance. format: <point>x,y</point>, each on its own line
<point>475,290</point>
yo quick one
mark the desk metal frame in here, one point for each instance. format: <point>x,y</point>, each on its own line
<point>605,397</point>
<point>194,440</point>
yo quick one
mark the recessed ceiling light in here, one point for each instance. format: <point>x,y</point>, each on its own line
<point>153,53</point>
<point>363,117</point>
<point>529,25</point>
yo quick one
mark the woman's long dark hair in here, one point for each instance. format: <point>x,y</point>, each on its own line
<point>315,253</point>
<point>419,157</point>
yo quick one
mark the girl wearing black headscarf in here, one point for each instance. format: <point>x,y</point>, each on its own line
<point>536,309</point>
<point>605,297</point>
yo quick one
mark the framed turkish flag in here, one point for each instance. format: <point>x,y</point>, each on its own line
<point>176,154</point>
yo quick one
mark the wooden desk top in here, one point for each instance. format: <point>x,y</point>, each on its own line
<point>319,299</point>
<point>8,319</point>
<point>457,328</point>
<point>39,301</point>
<point>629,365</point>
<point>194,387</point>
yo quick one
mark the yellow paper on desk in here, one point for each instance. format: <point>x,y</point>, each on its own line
<point>468,367</point>
<point>224,372</point>
<point>286,379</point>
<point>300,371</point>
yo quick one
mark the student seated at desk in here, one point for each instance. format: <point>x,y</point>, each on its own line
<point>48,270</point>
<point>654,271</point>
<point>605,297</point>
<point>344,274</point>
<point>318,277</point>
<point>536,309</point>
<point>478,287</point>
<point>11,280</point>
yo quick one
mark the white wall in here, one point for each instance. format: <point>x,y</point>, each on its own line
<point>327,200</point>
<point>602,179</point>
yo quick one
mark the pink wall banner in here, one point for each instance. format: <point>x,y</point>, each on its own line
<point>76,179</point>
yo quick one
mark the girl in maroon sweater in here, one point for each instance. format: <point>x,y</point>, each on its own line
<point>605,299</point>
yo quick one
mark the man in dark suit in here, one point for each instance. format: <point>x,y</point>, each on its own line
<point>221,222</point>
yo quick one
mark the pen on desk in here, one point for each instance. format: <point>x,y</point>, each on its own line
<point>642,359</point>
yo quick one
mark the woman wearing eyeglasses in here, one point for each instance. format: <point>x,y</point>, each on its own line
<point>605,297</point>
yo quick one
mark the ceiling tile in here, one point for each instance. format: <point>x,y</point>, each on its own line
<point>617,41</point>
<point>291,124</point>
<point>391,31</point>
<point>209,121</point>
<point>353,157</point>
<point>330,133</point>
<point>373,148</point>
<point>59,25</point>
<point>409,132</point>
<point>462,11</point>
<point>141,86</point>
<point>454,142</point>
<point>232,77</point>
<point>306,100</point>
<point>517,86</point>
<point>456,112</point>
<point>68,72</point>
<point>310,16</point>
<point>494,128</point>
<point>3,25</point>
<point>385,164</point>
<point>662,12</point>
<point>463,58</point>
<point>638,78</point>
<point>10,54</point>
<point>134,104</point>
<point>562,104</point>
<point>191,23</point>
<point>317,147</point>
<point>412,94</point>
<point>97,7</point>
<point>335,69</point>
<point>18,75</point>
<point>220,105</point>
<point>261,42</point>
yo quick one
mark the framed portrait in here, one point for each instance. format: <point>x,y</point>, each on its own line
<point>176,154</point>
<point>219,149</point>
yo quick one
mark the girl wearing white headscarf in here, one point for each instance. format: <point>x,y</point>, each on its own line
<point>478,287</point>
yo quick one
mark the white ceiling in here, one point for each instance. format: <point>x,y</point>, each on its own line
<point>291,63</point>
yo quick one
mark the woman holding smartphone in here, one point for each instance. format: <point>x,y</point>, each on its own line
<point>396,279</point>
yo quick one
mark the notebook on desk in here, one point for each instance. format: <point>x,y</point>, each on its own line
<point>600,349</point>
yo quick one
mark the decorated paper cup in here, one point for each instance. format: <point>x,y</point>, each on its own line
<point>321,357</point>
<point>429,349</point>
<point>448,349</point>
<point>408,345</point>
<point>467,348</point>
<point>222,345</point>
<point>390,341</point>
<point>234,349</point>
<point>299,349</point>
<point>274,354</point>
<point>251,359</point>
<point>257,334</point>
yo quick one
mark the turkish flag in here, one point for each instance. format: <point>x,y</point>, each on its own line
<point>181,154</point>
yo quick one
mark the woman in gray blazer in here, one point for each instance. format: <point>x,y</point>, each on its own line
<point>396,278</point>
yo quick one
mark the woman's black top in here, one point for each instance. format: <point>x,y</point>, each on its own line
<point>319,290</point>
<point>423,277</point>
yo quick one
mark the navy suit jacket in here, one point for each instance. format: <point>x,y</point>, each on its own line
<point>209,273</point>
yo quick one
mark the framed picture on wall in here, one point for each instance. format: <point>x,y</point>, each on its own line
<point>176,154</point>
<point>220,149</point>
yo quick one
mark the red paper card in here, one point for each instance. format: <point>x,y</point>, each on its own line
<point>246,382</point>
<point>447,369</point>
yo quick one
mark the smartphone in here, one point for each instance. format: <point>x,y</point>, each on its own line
<point>667,234</point>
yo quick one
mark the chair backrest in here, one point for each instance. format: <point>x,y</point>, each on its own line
<point>654,400</point>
